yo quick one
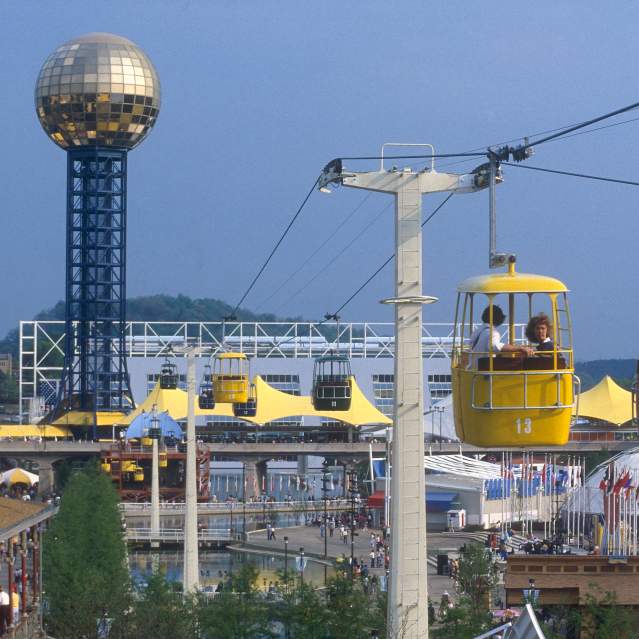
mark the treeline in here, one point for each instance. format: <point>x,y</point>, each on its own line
<point>90,594</point>
<point>157,308</point>
<point>592,372</point>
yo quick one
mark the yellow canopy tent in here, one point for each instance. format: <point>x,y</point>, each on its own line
<point>272,404</point>
<point>18,476</point>
<point>32,430</point>
<point>86,418</point>
<point>607,401</point>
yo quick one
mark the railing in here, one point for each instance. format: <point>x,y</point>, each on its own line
<point>523,377</point>
<point>28,628</point>
<point>42,345</point>
<point>132,508</point>
<point>177,534</point>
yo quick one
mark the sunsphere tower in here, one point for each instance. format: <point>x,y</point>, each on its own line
<point>97,97</point>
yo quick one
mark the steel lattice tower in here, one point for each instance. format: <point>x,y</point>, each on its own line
<point>97,97</point>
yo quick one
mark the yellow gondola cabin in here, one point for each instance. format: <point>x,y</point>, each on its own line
<point>508,398</point>
<point>230,378</point>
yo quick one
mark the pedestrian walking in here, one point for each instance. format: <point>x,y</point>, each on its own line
<point>15,606</point>
<point>5,611</point>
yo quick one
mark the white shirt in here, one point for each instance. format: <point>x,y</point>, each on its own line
<point>4,598</point>
<point>483,340</point>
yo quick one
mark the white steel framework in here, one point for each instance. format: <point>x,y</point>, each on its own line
<point>41,353</point>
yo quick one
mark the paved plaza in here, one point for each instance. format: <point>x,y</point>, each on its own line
<point>308,537</point>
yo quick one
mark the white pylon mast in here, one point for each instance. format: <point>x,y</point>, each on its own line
<point>191,574</point>
<point>408,592</point>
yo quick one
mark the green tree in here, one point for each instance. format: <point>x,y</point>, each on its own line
<point>85,573</point>
<point>351,612</point>
<point>8,389</point>
<point>604,618</point>
<point>304,613</point>
<point>162,613</point>
<point>476,576</point>
<point>238,612</point>
<point>462,621</point>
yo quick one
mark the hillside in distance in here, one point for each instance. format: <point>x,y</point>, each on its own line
<point>158,308</point>
<point>592,372</point>
<point>181,308</point>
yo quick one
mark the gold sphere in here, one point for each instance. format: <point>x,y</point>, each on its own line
<point>97,90</point>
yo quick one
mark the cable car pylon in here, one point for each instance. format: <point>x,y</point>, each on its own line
<point>408,592</point>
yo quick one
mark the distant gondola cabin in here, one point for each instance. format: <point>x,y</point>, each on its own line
<point>332,385</point>
<point>230,378</point>
<point>506,397</point>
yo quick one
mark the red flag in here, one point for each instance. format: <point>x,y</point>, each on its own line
<point>621,482</point>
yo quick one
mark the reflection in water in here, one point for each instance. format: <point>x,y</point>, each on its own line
<point>214,565</point>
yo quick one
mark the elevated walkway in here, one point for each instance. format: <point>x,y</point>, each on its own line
<point>169,536</point>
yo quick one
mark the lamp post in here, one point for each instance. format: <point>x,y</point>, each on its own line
<point>325,497</point>
<point>353,487</point>
<point>155,433</point>
<point>531,595</point>
<point>301,565</point>
<point>243,501</point>
<point>286,562</point>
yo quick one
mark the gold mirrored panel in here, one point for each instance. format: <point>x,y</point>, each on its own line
<point>97,90</point>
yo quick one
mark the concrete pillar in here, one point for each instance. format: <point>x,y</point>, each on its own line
<point>155,496</point>
<point>254,478</point>
<point>302,465</point>
<point>46,476</point>
<point>408,594</point>
<point>191,576</point>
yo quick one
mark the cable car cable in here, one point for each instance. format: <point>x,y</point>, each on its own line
<point>277,244</point>
<point>581,175</point>
<point>339,254</point>
<point>584,124</point>
<point>363,286</point>
<point>428,156</point>
<point>314,253</point>
<point>519,153</point>
<point>329,316</point>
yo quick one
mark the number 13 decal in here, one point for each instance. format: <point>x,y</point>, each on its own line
<point>524,426</point>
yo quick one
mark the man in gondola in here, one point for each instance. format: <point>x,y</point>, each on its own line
<point>486,339</point>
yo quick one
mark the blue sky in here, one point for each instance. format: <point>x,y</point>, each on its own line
<point>258,96</point>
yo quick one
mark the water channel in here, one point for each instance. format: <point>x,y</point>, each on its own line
<point>215,566</point>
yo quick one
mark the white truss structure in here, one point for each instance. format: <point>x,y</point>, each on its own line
<point>42,343</point>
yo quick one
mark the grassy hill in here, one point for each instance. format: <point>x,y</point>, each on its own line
<point>157,308</point>
<point>621,370</point>
<point>181,308</point>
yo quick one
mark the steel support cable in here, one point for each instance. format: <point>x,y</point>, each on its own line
<point>339,254</point>
<point>581,125</point>
<point>361,288</point>
<point>580,175</point>
<point>428,156</point>
<point>268,259</point>
<point>565,137</point>
<point>314,253</point>
<point>370,279</point>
